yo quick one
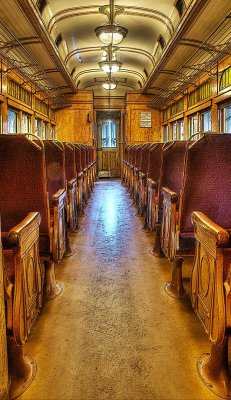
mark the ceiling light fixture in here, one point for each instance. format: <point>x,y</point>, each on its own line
<point>110,85</point>
<point>110,63</point>
<point>111,33</point>
<point>110,66</point>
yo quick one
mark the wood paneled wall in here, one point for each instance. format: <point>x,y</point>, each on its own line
<point>3,346</point>
<point>75,123</point>
<point>135,105</point>
<point>213,102</point>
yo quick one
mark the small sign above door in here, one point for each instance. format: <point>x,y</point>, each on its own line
<point>145,120</point>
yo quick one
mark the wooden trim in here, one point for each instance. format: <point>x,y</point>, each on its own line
<point>174,118</point>
<point>19,105</point>
<point>42,116</point>
<point>200,107</point>
<point>3,346</point>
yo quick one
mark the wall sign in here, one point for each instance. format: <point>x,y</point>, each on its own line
<point>145,120</point>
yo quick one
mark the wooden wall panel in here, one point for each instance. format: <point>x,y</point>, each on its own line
<point>75,124</point>
<point>3,345</point>
<point>135,104</point>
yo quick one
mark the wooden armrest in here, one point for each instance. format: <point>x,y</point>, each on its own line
<point>152,184</point>
<point>71,183</point>
<point>169,194</point>
<point>20,232</point>
<point>219,235</point>
<point>169,230</point>
<point>142,175</point>
<point>24,240</point>
<point>59,196</point>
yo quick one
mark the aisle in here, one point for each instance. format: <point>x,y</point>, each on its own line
<point>114,334</point>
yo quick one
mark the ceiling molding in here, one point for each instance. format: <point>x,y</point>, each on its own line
<point>89,71</point>
<point>91,10</point>
<point>33,17</point>
<point>190,16</point>
<point>98,48</point>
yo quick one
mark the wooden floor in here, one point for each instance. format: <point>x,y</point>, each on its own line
<point>114,333</point>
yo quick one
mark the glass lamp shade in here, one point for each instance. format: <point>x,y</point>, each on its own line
<point>110,66</point>
<point>109,85</point>
<point>111,34</point>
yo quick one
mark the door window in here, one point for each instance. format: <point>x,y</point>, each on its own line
<point>109,134</point>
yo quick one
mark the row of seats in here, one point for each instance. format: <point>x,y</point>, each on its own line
<point>183,190</point>
<point>44,186</point>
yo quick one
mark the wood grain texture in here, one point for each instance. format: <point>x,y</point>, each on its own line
<point>135,104</point>
<point>3,347</point>
<point>75,123</point>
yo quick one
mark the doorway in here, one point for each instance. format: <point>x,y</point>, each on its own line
<point>108,144</point>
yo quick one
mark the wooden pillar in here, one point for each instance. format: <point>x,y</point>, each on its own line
<point>3,346</point>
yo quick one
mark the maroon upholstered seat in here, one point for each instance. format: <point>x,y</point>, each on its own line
<point>207,179</point>
<point>173,167</point>
<point>56,186</point>
<point>210,280</point>
<point>154,169</point>
<point>71,176</point>
<point>206,189</point>
<point>22,203</point>
<point>79,171</point>
<point>22,166</point>
<point>142,197</point>
<point>55,166</point>
<point>136,170</point>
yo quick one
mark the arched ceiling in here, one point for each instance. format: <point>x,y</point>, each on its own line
<point>77,20</point>
<point>28,42</point>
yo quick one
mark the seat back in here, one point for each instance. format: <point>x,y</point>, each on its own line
<point>207,181</point>
<point>55,166</point>
<point>173,166</point>
<point>83,156</point>
<point>155,160</point>
<point>145,158</point>
<point>78,158</point>
<point>138,156</point>
<point>22,180</point>
<point>70,165</point>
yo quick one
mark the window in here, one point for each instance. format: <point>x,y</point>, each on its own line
<point>205,120</point>
<point>18,92</point>
<point>109,134</point>
<point>174,131</point>
<point>225,119</point>
<point>177,107</point>
<point>177,129</point>
<point>25,123</point>
<point>225,79</point>
<point>166,133</point>
<point>201,93</point>
<point>52,132</point>
<point>37,126</point>
<point>41,106</point>
<point>44,130</point>
<point>181,129</point>
<point>52,114</point>
<point>12,121</point>
<point>193,126</point>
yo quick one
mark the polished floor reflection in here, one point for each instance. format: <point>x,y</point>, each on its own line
<point>114,334</point>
